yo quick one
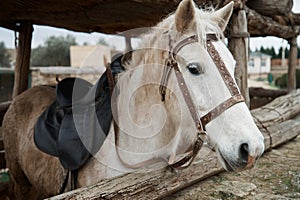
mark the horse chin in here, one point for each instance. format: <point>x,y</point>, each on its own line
<point>224,162</point>
<point>230,165</point>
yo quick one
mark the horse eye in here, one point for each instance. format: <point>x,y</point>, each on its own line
<point>195,68</point>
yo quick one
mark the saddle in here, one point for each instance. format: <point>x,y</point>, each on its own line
<point>75,125</point>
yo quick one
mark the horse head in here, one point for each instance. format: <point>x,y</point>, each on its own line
<point>162,123</point>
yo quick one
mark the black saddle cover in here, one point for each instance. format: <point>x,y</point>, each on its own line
<point>75,126</point>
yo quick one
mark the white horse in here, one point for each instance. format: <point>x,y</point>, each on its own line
<point>149,127</point>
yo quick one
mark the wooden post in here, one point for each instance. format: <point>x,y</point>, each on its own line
<point>238,45</point>
<point>128,43</point>
<point>23,58</point>
<point>291,84</point>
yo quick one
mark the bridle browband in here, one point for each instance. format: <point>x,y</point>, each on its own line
<point>200,122</point>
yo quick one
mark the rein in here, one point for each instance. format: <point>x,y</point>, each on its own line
<point>200,122</point>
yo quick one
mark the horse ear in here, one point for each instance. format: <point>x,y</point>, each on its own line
<point>185,15</point>
<point>223,15</point>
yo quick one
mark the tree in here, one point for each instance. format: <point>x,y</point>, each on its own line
<point>102,41</point>
<point>286,52</point>
<point>269,51</point>
<point>54,52</point>
<point>4,56</point>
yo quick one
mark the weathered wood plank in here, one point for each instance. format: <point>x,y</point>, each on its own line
<point>284,131</point>
<point>260,96</point>
<point>281,109</point>
<point>259,25</point>
<point>296,18</point>
<point>271,8</point>
<point>155,184</point>
<point>239,49</point>
<point>293,58</point>
<point>116,16</point>
<point>92,15</point>
<point>262,92</point>
<point>23,58</point>
<point>159,183</point>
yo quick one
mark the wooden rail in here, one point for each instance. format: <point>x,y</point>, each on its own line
<point>279,122</point>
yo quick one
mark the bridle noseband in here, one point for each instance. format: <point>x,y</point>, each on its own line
<point>200,122</point>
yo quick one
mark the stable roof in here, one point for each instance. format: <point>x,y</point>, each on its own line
<point>85,15</point>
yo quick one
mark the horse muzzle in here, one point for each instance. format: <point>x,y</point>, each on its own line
<point>245,160</point>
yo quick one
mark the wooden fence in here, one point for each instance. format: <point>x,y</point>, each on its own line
<point>279,121</point>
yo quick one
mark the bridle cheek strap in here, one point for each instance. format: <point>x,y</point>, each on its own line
<point>235,98</point>
<point>200,123</point>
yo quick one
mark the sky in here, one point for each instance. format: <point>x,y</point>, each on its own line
<point>41,33</point>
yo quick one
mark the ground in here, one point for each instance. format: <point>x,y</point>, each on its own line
<point>275,176</point>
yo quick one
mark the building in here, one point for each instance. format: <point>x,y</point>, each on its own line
<point>87,62</point>
<point>96,56</point>
<point>259,63</point>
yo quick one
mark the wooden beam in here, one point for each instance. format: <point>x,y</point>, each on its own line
<point>296,18</point>
<point>238,45</point>
<point>271,7</point>
<point>293,58</point>
<point>260,96</point>
<point>277,127</point>
<point>259,25</point>
<point>11,25</point>
<point>281,109</point>
<point>262,92</point>
<point>130,14</point>
<point>23,58</point>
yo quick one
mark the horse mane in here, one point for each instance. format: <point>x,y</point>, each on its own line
<point>155,44</point>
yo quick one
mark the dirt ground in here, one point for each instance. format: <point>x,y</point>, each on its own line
<point>275,176</point>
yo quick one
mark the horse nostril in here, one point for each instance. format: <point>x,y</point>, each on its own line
<point>244,152</point>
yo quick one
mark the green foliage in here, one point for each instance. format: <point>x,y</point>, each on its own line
<point>102,41</point>
<point>4,56</point>
<point>54,52</point>
<point>282,80</point>
<point>286,53</point>
<point>269,51</point>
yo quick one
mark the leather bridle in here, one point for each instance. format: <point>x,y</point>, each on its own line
<point>200,122</point>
